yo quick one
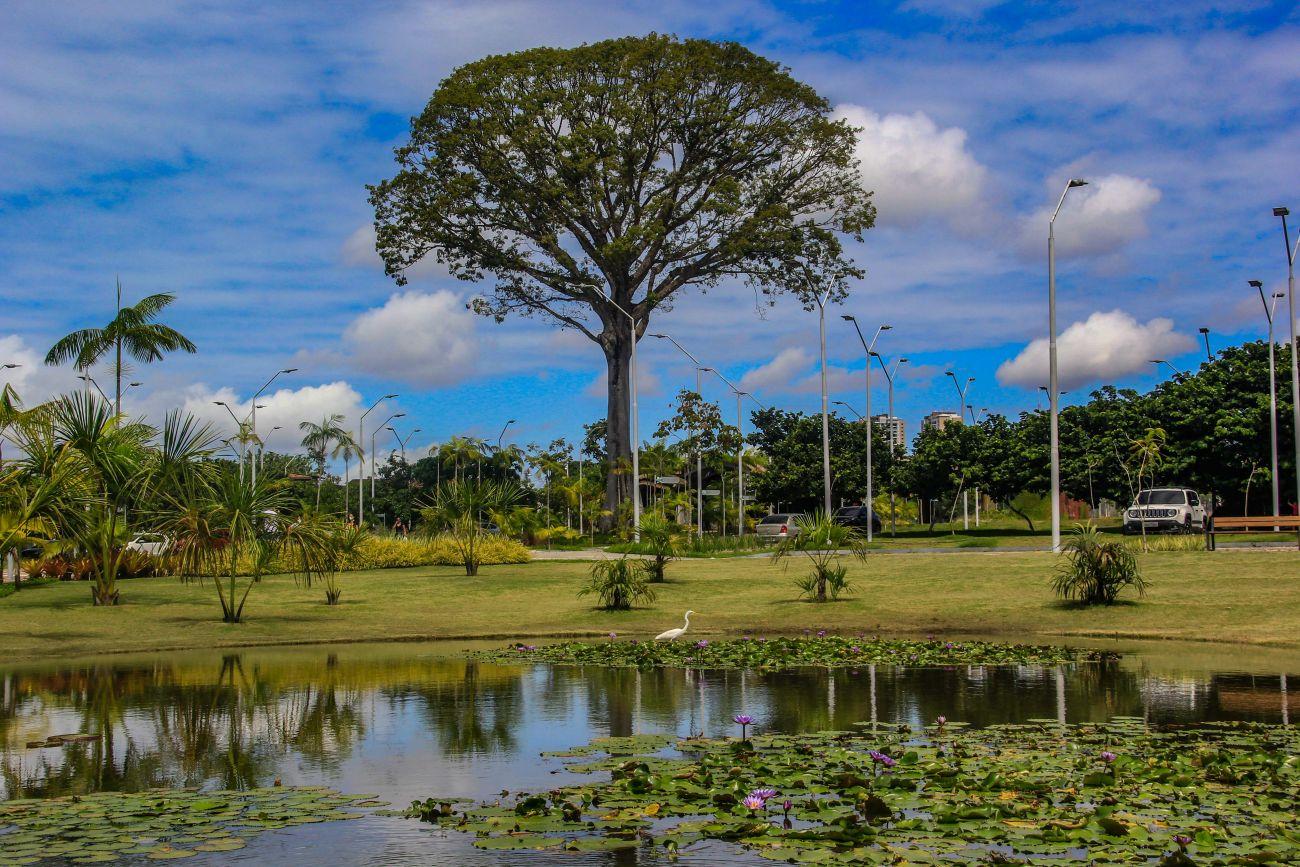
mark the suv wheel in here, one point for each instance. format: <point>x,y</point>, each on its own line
<point>1187,525</point>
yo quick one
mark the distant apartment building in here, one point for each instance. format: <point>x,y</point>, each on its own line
<point>895,430</point>
<point>940,419</point>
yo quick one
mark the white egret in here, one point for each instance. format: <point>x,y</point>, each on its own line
<point>674,634</point>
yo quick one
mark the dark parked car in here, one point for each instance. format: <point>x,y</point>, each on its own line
<point>857,516</point>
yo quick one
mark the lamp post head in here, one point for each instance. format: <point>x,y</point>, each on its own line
<point>1203,330</point>
<point>389,396</point>
<point>1078,182</point>
<point>660,336</point>
<point>950,373</point>
<point>1281,212</point>
<point>1279,294</point>
<point>902,361</point>
<point>11,366</point>
<point>1157,360</point>
<point>290,370</point>
<point>1255,284</point>
<point>417,430</point>
<point>399,415</point>
<point>219,403</point>
<point>875,354</point>
<point>847,317</point>
<point>390,427</point>
<point>886,327</point>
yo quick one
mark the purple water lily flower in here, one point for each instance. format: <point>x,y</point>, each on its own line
<point>1182,840</point>
<point>821,633</point>
<point>882,759</point>
<point>744,721</point>
<point>753,802</point>
<point>613,635</point>
<point>1107,756</point>
<point>702,643</point>
<point>765,793</point>
<point>940,720</point>
<point>787,807</point>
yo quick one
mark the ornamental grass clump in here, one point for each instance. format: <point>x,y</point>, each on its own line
<point>824,542</point>
<point>1096,570</point>
<point>618,584</point>
<point>660,538</point>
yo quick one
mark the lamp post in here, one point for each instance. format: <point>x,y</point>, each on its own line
<point>700,370</point>
<point>1054,399</point>
<point>1205,332</point>
<point>258,394</point>
<point>889,377</point>
<point>826,423</point>
<point>1269,311</point>
<point>361,439</point>
<point>261,451</point>
<point>381,426</point>
<point>501,435</point>
<point>869,348</point>
<point>740,449</point>
<point>238,427</point>
<point>90,380</point>
<point>1295,346</point>
<point>1159,361</point>
<point>402,442</point>
<point>961,393</point>
<point>636,432</point>
<point>849,408</point>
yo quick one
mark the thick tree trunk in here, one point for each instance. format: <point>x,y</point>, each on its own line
<point>617,344</point>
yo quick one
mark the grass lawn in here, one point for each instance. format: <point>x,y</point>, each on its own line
<point>1238,596</point>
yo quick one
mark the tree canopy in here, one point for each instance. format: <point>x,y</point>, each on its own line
<point>591,185</point>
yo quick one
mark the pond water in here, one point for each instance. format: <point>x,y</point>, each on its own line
<point>405,721</point>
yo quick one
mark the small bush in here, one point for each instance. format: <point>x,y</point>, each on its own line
<point>1095,570</point>
<point>619,584</point>
<point>660,537</point>
<point>837,582</point>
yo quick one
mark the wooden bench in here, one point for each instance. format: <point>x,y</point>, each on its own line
<point>1244,525</point>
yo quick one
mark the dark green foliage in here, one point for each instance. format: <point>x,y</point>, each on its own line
<point>1095,570</point>
<point>786,652</point>
<point>822,542</point>
<point>660,538</point>
<point>619,584</point>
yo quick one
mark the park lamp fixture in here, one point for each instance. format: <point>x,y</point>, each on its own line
<point>1203,330</point>
<point>1281,212</point>
<point>1255,284</point>
<point>1078,182</point>
<point>9,366</point>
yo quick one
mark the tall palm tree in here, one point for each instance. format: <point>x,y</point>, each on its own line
<point>318,439</point>
<point>346,447</point>
<point>132,331</point>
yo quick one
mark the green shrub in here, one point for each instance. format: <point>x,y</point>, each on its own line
<point>396,552</point>
<point>1095,569</point>
<point>619,584</point>
<point>660,537</point>
<point>821,540</point>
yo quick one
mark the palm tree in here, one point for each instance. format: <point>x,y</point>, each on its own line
<point>132,331</point>
<point>346,447</point>
<point>458,448</point>
<point>318,439</point>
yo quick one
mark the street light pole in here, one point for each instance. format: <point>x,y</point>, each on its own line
<point>1053,384</point>
<point>258,394</point>
<point>700,370</point>
<point>889,377</point>
<point>826,423</point>
<point>961,393</point>
<point>1205,332</point>
<point>869,348</point>
<point>381,426</point>
<point>1269,312</point>
<point>361,441</point>
<point>1295,346</point>
<point>1159,361</point>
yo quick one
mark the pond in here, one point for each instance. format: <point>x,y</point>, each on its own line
<point>404,721</point>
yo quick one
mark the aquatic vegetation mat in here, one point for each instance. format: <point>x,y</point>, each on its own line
<point>787,652</point>
<point>1038,793</point>
<point>160,824</point>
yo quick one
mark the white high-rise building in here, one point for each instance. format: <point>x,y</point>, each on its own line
<point>895,430</point>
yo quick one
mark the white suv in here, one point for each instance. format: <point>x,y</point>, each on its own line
<point>1175,509</point>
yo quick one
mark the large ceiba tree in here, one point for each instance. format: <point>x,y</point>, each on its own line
<point>622,173</point>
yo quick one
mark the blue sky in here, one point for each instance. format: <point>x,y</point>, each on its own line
<point>220,151</point>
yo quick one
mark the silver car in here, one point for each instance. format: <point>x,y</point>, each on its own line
<point>779,526</point>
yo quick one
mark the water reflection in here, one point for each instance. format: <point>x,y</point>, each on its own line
<point>404,720</point>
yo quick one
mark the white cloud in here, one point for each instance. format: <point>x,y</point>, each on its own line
<point>1101,218</point>
<point>284,408</point>
<point>358,250</point>
<point>427,339</point>
<point>794,370</point>
<point>32,379</point>
<point>1102,348</point>
<point>916,169</point>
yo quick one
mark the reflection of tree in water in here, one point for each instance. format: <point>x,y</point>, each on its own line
<point>473,708</point>
<point>229,730</point>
